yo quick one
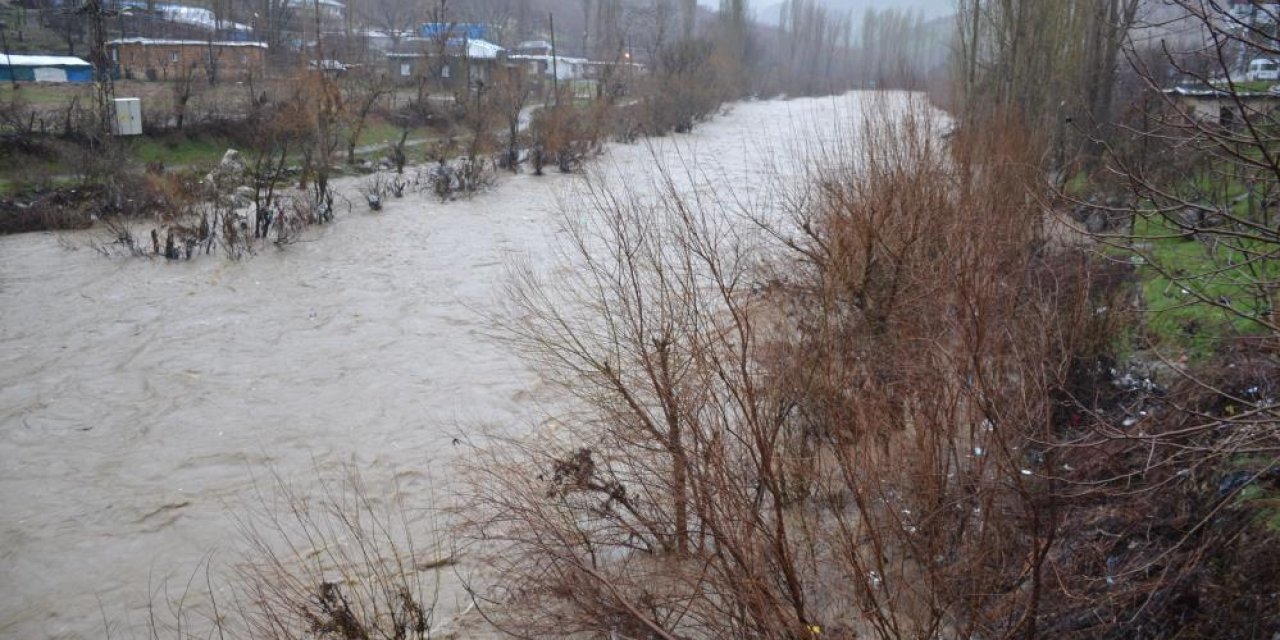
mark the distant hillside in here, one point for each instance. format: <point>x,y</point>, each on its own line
<point>767,11</point>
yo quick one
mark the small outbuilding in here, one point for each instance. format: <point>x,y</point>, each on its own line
<point>1227,108</point>
<point>26,68</point>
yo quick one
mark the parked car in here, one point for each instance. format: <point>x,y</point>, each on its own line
<point>1264,69</point>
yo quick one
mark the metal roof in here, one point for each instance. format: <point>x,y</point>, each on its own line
<point>548,59</point>
<point>195,16</point>
<point>478,49</point>
<point>42,61</point>
<point>483,49</point>
<point>147,42</point>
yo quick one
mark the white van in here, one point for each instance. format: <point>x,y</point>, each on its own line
<point>1263,69</point>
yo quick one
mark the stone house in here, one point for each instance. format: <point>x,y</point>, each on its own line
<point>471,62</point>
<point>153,59</point>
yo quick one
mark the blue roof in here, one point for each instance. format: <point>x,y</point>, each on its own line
<point>456,30</point>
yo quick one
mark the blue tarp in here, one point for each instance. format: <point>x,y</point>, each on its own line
<point>458,30</point>
<point>27,73</point>
<point>21,74</point>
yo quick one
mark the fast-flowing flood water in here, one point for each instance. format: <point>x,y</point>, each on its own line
<point>140,400</point>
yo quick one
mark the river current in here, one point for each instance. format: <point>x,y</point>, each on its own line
<point>143,402</point>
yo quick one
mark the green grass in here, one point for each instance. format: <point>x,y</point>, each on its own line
<point>1259,86</point>
<point>1267,504</point>
<point>10,187</point>
<point>1078,185</point>
<point>379,132</point>
<point>44,95</point>
<point>35,38</point>
<point>1178,318</point>
<point>382,132</point>
<point>178,151</point>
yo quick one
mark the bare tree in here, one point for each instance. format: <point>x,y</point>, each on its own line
<point>832,443</point>
<point>511,93</point>
<point>184,88</point>
<point>343,560</point>
<point>361,93</point>
<point>1034,58</point>
<point>392,17</point>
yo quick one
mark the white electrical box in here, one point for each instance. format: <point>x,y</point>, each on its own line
<point>128,117</point>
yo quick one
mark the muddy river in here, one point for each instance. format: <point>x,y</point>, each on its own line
<point>141,402</point>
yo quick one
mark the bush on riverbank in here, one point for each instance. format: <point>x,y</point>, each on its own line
<point>339,562</point>
<point>846,439</point>
<point>919,417</point>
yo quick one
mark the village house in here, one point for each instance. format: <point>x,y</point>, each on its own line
<point>560,67</point>
<point>464,61</point>
<point>585,78</point>
<point>152,59</point>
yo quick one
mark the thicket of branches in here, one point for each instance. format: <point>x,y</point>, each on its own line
<point>917,404</point>
<point>337,561</point>
<point>826,425</point>
<point>1167,471</point>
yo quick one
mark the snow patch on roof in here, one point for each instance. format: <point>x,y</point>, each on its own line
<point>336,5</point>
<point>478,49</point>
<point>483,49</point>
<point>42,61</point>
<point>549,59</point>
<point>182,14</point>
<point>147,42</point>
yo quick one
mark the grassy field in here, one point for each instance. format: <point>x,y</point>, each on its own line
<point>157,97</point>
<point>179,151</point>
<point>1258,86</point>
<point>195,152</point>
<point>196,148</point>
<point>33,38</point>
<point>1201,295</point>
<point>43,95</point>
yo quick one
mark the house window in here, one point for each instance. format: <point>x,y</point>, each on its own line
<point>173,57</point>
<point>115,55</point>
<point>445,72</point>
<point>244,59</point>
<point>405,68</point>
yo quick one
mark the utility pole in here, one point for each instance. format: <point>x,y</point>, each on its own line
<point>104,85</point>
<point>466,67</point>
<point>555,64</point>
<point>319,51</point>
